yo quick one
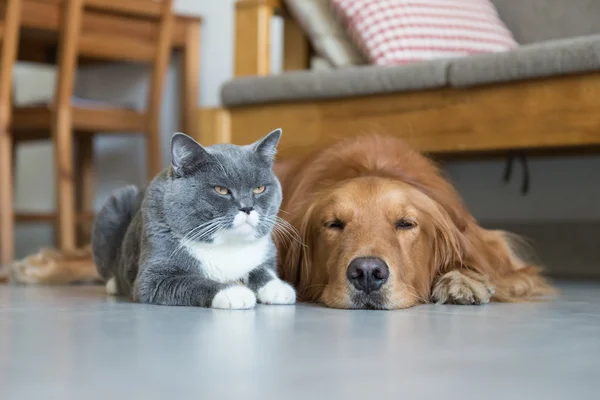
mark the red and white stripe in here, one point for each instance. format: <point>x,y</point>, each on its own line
<point>403,31</point>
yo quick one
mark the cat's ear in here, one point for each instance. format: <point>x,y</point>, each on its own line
<point>186,153</point>
<point>267,146</point>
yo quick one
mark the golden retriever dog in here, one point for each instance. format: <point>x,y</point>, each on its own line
<point>381,228</point>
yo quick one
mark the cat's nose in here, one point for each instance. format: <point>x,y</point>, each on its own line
<point>246,210</point>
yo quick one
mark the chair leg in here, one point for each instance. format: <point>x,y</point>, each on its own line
<point>7,224</point>
<point>154,162</point>
<point>85,187</point>
<point>63,157</point>
<point>14,159</point>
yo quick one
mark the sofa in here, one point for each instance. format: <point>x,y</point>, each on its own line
<point>543,95</point>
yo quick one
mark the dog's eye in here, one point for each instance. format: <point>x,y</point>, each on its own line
<point>405,224</point>
<point>336,224</point>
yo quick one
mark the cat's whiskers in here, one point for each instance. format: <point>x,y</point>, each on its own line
<point>280,236</point>
<point>207,231</point>
<point>287,226</point>
<point>202,228</point>
<point>276,235</point>
<point>286,230</point>
<point>197,233</point>
<point>283,231</point>
<point>284,235</point>
<point>204,225</point>
<point>289,232</point>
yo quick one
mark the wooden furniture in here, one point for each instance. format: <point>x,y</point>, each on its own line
<point>39,36</point>
<point>538,114</point>
<point>62,120</point>
<point>40,25</point>
<point>9,39</point>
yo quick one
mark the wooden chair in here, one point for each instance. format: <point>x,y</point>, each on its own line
<point>9,39</point>
<point>64,121</point>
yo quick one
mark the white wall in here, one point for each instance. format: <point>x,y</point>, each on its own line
<point>561,189</point>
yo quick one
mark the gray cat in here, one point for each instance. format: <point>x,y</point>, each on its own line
<point>200,233</point>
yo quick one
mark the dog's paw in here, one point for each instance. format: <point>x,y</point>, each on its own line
<point>456,287</point>
<point>234,298</point>
<point>277,292</point>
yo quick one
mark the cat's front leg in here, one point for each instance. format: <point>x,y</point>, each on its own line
<point>178,288</point>
<point>269,288</point>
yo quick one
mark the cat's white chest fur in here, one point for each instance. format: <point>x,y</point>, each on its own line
<point>229,261</point>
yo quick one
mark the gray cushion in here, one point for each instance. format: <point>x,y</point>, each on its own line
<point>533,21</point>
<point>558,57</point>
<point>352,81</point>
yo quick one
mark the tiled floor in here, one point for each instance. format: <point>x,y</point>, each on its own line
<point>74,343</point>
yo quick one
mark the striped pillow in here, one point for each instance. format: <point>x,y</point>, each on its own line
<point>403,31</point>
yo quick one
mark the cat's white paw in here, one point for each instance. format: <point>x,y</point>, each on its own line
<point>111,287</point>
<point>234,298</point>
<point>277,292</point>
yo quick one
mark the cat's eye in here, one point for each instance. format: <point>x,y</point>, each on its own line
<point>405,224</point>
<point>258,190</point>
<point>336,224</point>
<point>222,190</point>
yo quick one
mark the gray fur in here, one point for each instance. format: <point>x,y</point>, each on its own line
<point>138,233</point>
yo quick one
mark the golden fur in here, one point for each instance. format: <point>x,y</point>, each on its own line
<point>370,183</point>
<point>54,267</point>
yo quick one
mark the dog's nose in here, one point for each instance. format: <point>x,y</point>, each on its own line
<point>247,210</point>
<point>368,274</point>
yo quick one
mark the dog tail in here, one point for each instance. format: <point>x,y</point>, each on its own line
<point>109,230</point>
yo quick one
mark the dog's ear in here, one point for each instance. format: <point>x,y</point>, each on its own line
<point>443,193</point>
<point>447,241</point>
<point>466,248</point>
<point>448,246</point>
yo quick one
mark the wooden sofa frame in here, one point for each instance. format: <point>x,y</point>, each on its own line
<point>542,114</point>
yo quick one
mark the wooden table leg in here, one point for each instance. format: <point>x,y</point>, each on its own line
<point>62,124</point>
<point>10,40</point>
<point>65,191</point>
<point>85,187</point>
<point>6,197</point>
<point>189,78</point>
